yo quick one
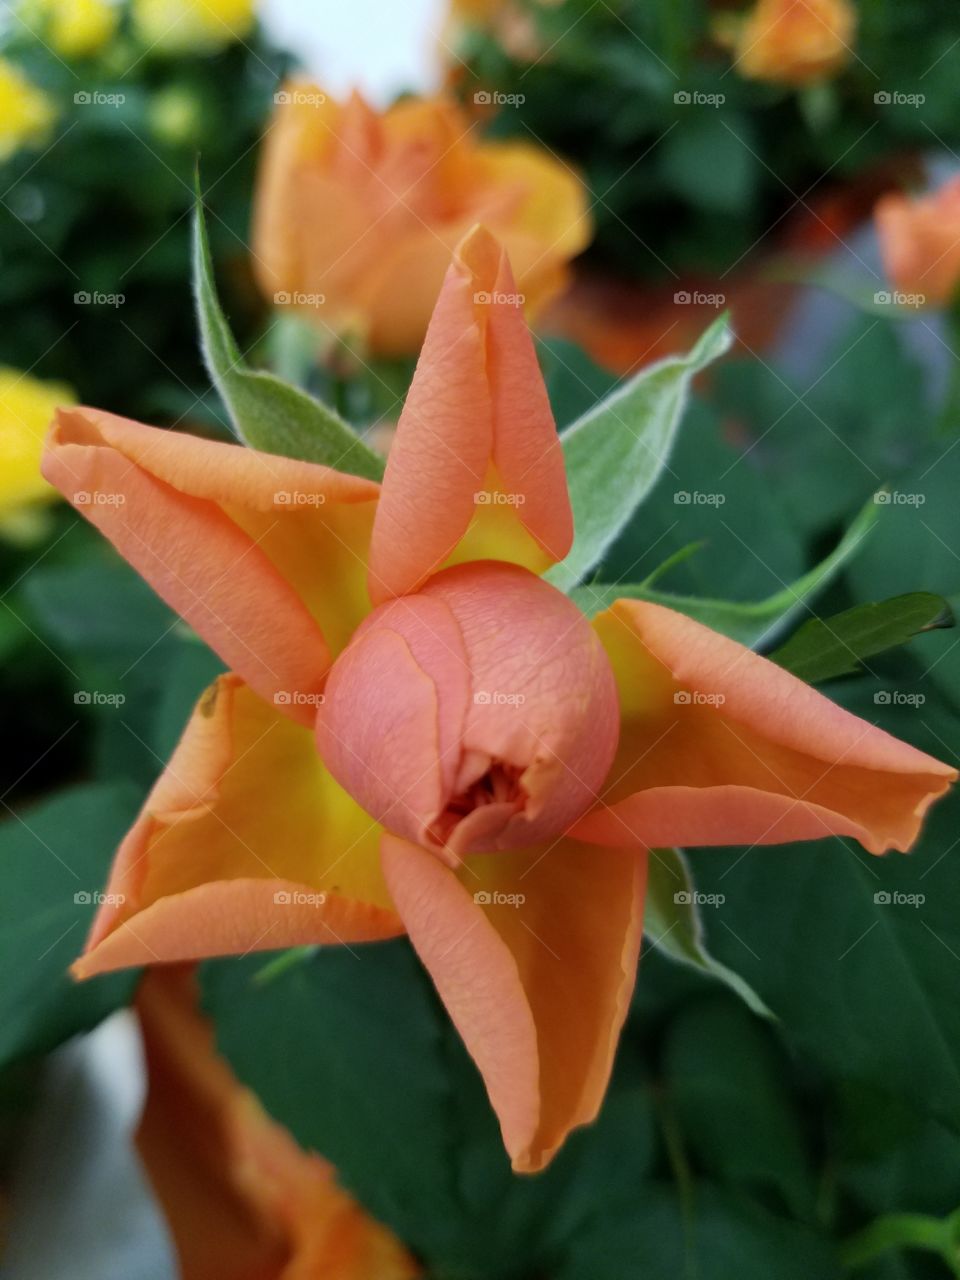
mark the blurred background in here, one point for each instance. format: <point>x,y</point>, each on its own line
<point>649,164</point>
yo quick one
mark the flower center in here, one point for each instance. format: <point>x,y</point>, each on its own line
<point>479,714</point>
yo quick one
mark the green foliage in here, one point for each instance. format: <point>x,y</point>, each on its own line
<point>617,451</point>
<point>310,1040</point>
<point>268,413</point>
<point>754,625</point>
<point>836,646</point>
<point>102,209</point>
<point>786,1095</point>
<point>729,164</point>
<point>51,882</point>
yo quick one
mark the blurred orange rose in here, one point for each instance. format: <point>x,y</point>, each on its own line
<point>795,41</point>
<point>357,212</point>
<point>241,1199</point>
<point>920,241</point>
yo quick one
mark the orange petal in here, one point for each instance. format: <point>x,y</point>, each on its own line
<point>534,953</point>
<point>476,436</point>
<point>242,1200</point>
<point>721,746</point>
<point>245,843</point>
<point>258,553</point>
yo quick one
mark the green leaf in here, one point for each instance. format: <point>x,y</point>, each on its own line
<point>616,452</point>
<point>734,1105</point>
<point>353,1052</point>
<point>672,922</point>
<point>53,861</point>
<point>836,646</point>
<point>752,624</point>
<point>856,955</point>
<point>267,413</point>
<point>653,1238</point>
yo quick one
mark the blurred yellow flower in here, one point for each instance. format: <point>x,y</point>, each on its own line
<point>72,28</point>
<point>26,408</point>
<point>26,112</point>
<point>192,26</point>
<point>795,42</point>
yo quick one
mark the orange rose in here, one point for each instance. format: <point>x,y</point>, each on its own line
<point>241,1199</point>
<point>795,41</point>
<point>920,241</point>
<point>420,735</point>
<point>357,213</point>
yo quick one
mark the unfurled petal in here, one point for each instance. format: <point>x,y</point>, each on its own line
<point>721,746</point>
<point>534,953</point>
<point>245,843</point>
<point>264,556</point>
<point>478,714</point>
<point>241,1199</point>
<point>476,447</point>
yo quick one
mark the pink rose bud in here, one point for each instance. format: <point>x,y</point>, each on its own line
<point>478,714</point>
